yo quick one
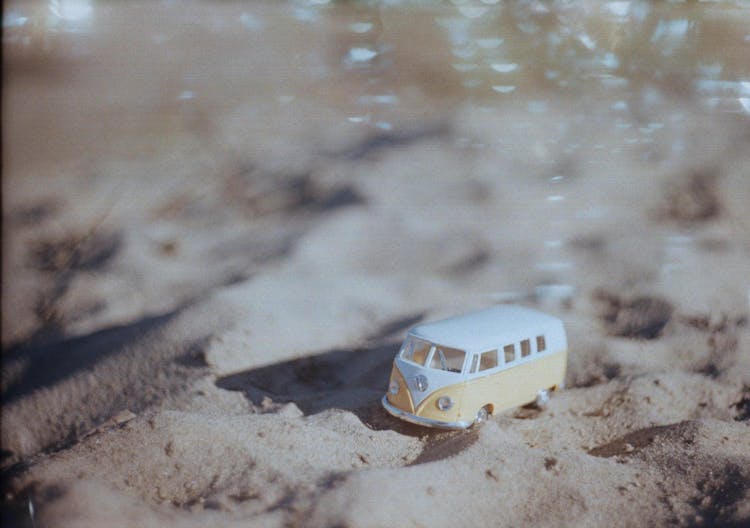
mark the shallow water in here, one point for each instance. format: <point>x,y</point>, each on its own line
<point>81,75</point>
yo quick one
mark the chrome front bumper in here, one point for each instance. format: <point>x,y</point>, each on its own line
<point>419,420</point>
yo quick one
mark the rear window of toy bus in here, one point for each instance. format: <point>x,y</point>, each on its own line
<point>415,350</point>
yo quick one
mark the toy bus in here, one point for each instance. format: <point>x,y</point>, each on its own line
<point>457,372</point>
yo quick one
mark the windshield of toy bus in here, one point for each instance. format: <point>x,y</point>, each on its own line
<point>448,359</point>
<point>415,350</point>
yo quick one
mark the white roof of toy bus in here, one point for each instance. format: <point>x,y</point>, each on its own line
<point>488,329</point>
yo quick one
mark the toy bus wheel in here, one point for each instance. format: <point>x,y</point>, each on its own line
<point>542,398</point>
<point>483,415</point>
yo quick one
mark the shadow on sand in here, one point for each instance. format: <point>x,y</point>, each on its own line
<point>44,365</point>
<point>351,379</point>
<point>344,379</point>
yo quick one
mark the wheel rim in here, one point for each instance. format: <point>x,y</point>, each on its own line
<point>482,415</point>
<point>542,398</point>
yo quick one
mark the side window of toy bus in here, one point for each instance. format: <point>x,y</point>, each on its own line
<point>541,345</point>
<point>474,364</point>
<point>525,348</point>
<point>488,360</point>
<point>510,353</point>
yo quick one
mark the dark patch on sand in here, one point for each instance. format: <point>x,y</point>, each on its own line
<point>62,259</point>
<point>371,146</point>
<point>642,317</point>
<point>719,495</point>
<point>88,252</point>
<point>722,342</point>
<point>600,372</point>
<point>590,243</point>
<point>194,356</point>
<point>257,193</point>
<point>694,197</point>
<point>630,443</point>
<point>742,406</point>
<point>33,214</point>
<point>470,263</point>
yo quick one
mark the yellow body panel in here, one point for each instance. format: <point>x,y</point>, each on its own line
<point>428,407</point>
<point>402,399</point>
<point>514,386</point>
<point>508,388</point>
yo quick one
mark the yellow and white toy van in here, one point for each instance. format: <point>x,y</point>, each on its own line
<point>457,372</point>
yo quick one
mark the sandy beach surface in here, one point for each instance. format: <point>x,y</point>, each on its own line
<point>220,220</point>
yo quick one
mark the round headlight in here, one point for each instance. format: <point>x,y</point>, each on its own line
<point>420,382</point>
<point>393,387</point>
<point>444,403</point>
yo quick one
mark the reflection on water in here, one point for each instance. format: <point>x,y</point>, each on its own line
<point>554,88</point>
<point>634,53</point>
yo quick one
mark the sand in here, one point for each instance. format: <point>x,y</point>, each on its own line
<point>206,277</point>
